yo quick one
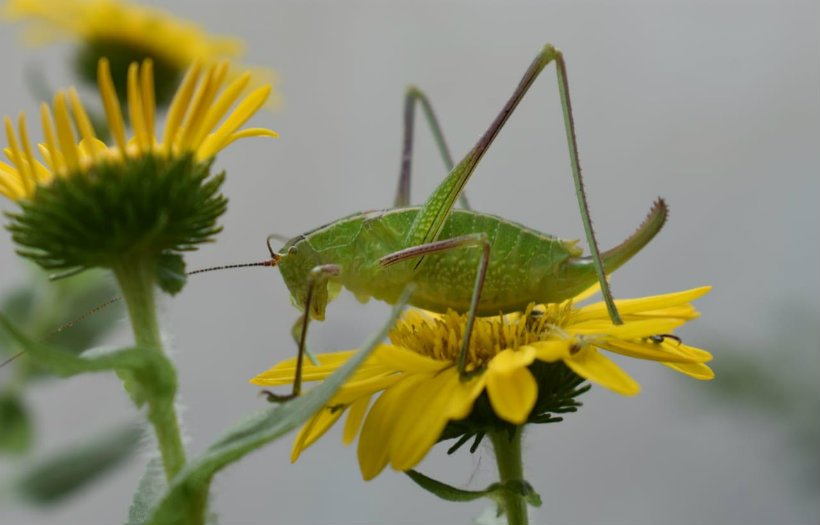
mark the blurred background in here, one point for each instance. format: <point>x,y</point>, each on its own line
<point>713,105</point>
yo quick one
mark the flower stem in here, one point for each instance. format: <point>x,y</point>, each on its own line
<point>136,276</point>
<point>510,468</point>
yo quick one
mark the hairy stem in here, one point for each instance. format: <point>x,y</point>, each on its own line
<point>510,468</point>
<point>136,277</point>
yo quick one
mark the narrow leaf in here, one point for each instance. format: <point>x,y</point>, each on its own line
<point>150,366</point>
<point>448,492</point>
<point>52,479</point>
<point>494,491</point>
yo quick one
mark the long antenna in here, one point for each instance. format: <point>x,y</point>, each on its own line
<point>271,262</point>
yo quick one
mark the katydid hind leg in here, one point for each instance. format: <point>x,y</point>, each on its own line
<point>412,97</point>
<point>430,220</point>
<point>569,125</point>
<point>465,241</point>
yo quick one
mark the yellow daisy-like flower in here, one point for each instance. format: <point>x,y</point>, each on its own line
<point>125,32</point>
<point>149,196</point>
<point>515,360</point>
<point>192,126</point>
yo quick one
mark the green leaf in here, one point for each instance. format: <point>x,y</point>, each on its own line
<point>16,431</point>
<point>151,487</point>
<point>494,491</point>
<point>52,479</point>
<point>150,366</point>
<point>186,500</point>
<point>148,375</point>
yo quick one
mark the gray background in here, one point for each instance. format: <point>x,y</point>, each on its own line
<point>713,105</point>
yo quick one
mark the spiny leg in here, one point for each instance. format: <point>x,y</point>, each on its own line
<point>464,241</point>
<point>569,126</point>
<point>415,95</point>
<point>430,220</point>
<point>318,275</point>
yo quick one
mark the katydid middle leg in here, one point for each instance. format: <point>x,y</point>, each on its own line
<point>429,222</point>
<point>464,241</point>
<point>412,96</point>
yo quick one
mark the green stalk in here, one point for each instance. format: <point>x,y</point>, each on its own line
<point>510,468</point>
<point>136,276</point>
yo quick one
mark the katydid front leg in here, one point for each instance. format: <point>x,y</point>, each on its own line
<point>430,220</point>
<point>415,95</point>
<point>464,241</point>
<point>317,277</point>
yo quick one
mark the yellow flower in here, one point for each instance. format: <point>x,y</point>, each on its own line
<point>192,127</point>
<point>149,197</point>
<point>126,32</point>
<point>514,359</point>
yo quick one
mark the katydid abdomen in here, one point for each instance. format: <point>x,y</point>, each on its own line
<point>524,266</point>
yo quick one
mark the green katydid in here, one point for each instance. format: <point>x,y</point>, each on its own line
<point>458,259</point>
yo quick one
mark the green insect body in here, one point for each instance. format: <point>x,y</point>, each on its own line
<point>525,265</point>
<point>463,260</point>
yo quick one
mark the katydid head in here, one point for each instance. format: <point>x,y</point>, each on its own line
<point>307,278</point>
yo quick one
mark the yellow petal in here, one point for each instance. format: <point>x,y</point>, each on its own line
<point>683,311</point>
<point>15,156</point>
<point>589,363</point>
<point>630,330</point>
<point>551,351</point>
<point>282,373</point>
<point>401,358</point>
<point>111,104</point>
<point>696,370</point>
<point>425,412</point>
<point>245,110</point>
<point>512,393</point>
<point>203,97</point>
<point>463,395</point>
<point>355,415</point>
<point>84,124</point>
<point>179,105</point>
<point>245,133</point>
<point>649,350</point>
<point>355,389</point>
<point>314,429</point>
<point>508,361</point>
<point>377,431</point>
<point>55,160</point>
<point>148,98</point>
<point>628,306</point>
<point>221,106</point>
<point>26,144</point>
<point>135,110</point>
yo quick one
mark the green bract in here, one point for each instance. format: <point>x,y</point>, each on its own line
<point>150,207</point>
